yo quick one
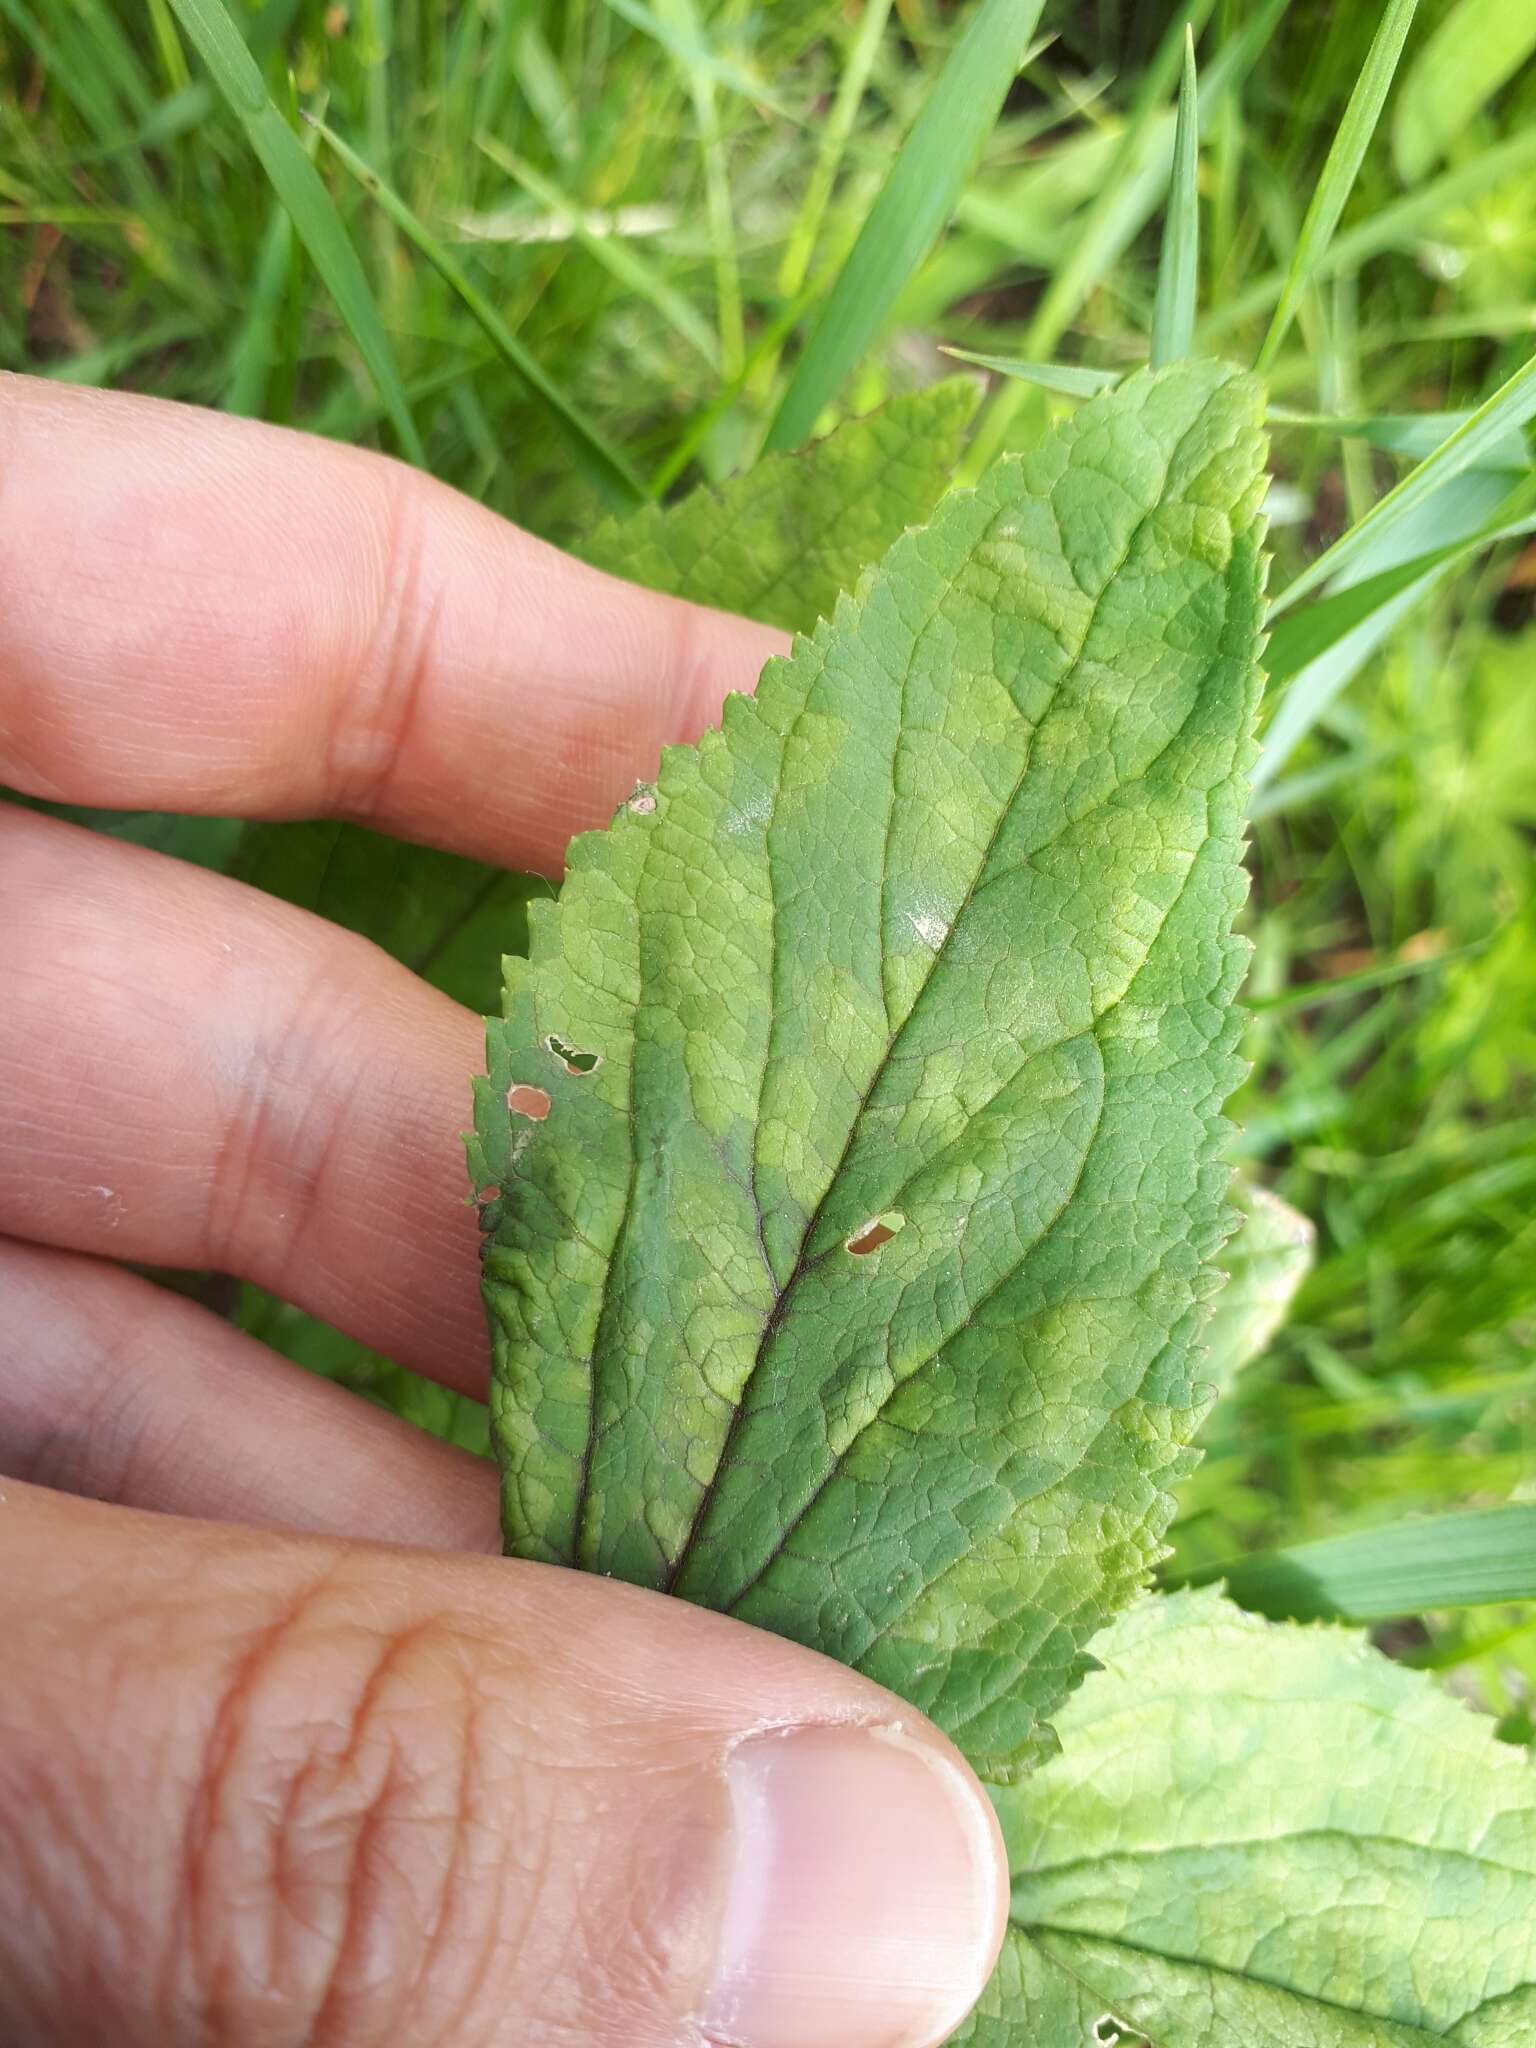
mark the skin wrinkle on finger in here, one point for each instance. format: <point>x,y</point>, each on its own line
<point>207,614</point>
<point>353,1795</point>
<point>194,1075</point>
<point>116,1388</point>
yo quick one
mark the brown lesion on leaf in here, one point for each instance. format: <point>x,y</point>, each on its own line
<point>523,1099</point>
<point>571,1057</point>
<point>877,1231</point>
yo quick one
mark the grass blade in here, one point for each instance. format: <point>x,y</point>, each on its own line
<point>606,467</point>
<point>1071,380</point>
<point>801,243</point>
<point>1341,168</point>
<point>1304,636</point>
<point>1472,51</point>
<point>310,207</point>
<point>1178,272</point>
<point>685,41</point>
<point>611,251</point>
<point>1394,227</point>
<point>1476,1557</point>
<point>1472,444</point>
<point>913,206</point>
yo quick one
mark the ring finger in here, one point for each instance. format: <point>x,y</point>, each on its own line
<point>194,1075</point>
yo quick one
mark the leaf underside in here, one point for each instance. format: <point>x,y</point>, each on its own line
<point>1265,1834</point>
<point>935,931</point>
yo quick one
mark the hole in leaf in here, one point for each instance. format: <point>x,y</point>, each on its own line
<point>877,1231</point>
<point>487,1194</point>
<point>642,800</point>
<point>524,1100</point>
<point>573,1061</point>
<point>1110,2032</point>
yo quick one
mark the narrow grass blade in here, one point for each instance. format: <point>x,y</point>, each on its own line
<point>689,47</point>
<point>1178,271</point>
<point>1413,434</point>
<point>912,208</point>
<point>1132,187</point>
<point>299,186</point>
<point>1071,380</point>
<point>1477,1557</point>
<point>1471,444</point>
<point>801,243</point>
<point>1341,168</point>
<point>606,467</point>
<point>1394,227</point>
<point>1316,657</point>
<point>1304,636</point>
<point>613,252</point>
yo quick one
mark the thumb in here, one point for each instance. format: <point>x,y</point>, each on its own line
<point>281,1792</point>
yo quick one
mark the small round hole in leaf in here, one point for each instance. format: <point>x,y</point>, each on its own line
<point>526,1100</point>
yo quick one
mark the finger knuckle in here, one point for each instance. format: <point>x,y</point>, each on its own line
<point>326,1874</point>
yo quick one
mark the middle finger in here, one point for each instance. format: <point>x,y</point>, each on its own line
<point>193,1074</point>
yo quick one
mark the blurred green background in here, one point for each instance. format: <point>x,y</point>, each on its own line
<point>651,198</point>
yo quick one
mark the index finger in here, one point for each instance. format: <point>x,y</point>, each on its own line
<point>203,614</point>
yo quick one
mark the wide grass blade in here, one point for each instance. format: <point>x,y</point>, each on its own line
<point>800,245</point>
<point>1303,636</point>
<point>310,207</point>
<point>1342,167</point>
<point>1471,444</point>
<point>606,467</point>
<point>1462,64</point>
<point>1173,310</point>
<point>917,199</point>
<point>1477,1557</point>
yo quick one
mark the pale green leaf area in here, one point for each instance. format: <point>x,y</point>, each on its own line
<point>856,1117</point>
<point>1265,1261</point>
<point>1265,1835</point>
<point>781,541</point>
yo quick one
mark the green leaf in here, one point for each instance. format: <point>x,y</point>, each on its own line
<point>1476,1557</point>
<point>1267,1836</point>
<point>857,1290</point>
<point>1178,275</point>
<point>1337,177</point>
<point>447,918</point>
<point>297,184</point>
<point>780,542</point>
<point>1265,1262</point>
<point>926,180</point>
<point>1473,50</point>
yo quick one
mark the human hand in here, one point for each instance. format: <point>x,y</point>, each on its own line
<point>273,1784</point>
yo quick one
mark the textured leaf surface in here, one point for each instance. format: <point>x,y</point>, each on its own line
<point>1269,1835</point>
<point>782,541</point>
<point>934,936</point>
